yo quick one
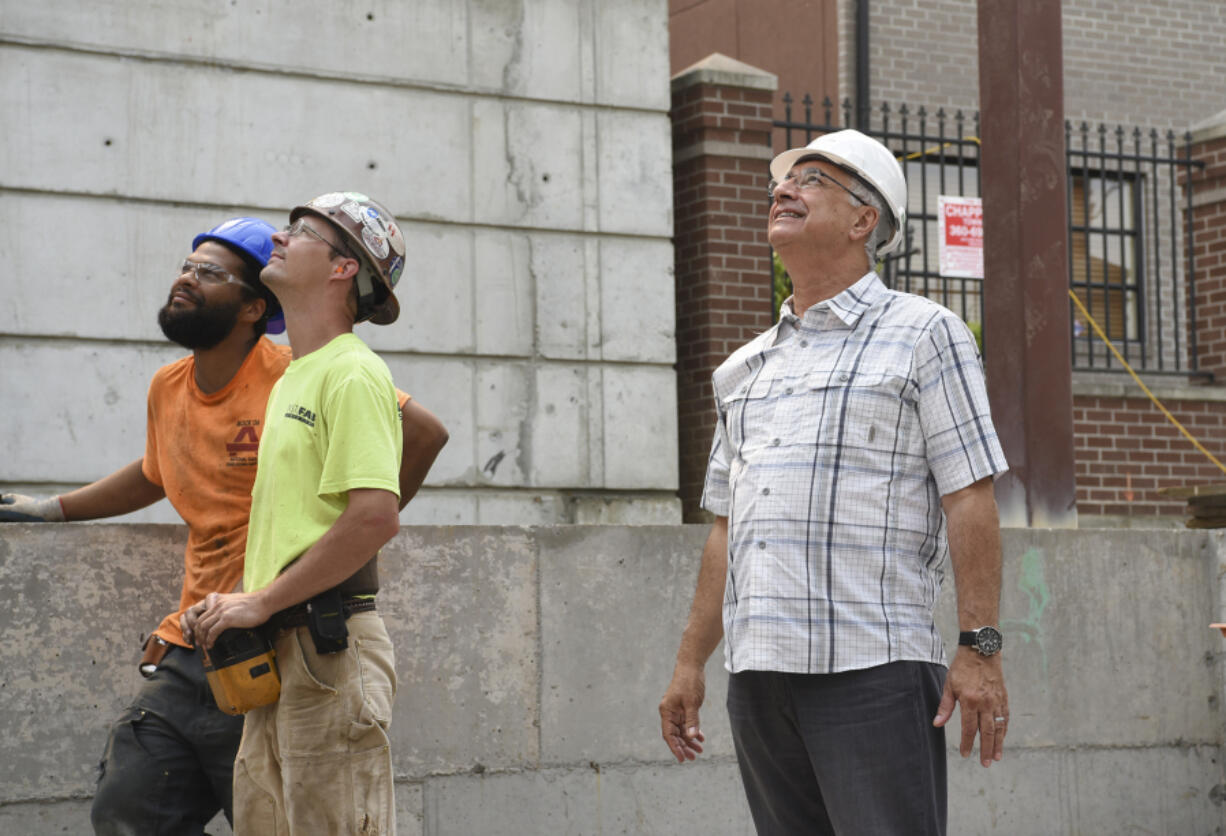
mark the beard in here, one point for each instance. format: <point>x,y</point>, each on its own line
<point>201,327</point>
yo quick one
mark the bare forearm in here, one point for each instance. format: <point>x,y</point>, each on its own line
<point>124,491</point>
<point>974,551</point>
<point>362,529</point>
<point>705,626</point>
<point>424,437</point>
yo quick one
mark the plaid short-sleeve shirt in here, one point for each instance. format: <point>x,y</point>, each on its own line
<point>837,435</point>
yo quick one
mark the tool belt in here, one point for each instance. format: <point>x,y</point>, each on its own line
<point>242,668</point>
<point>299,615</point>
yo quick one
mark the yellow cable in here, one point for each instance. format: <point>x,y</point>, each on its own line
<point>917,154</point>
<point>1144,388</point>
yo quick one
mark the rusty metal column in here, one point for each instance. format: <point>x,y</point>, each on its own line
<point>1026,306</point>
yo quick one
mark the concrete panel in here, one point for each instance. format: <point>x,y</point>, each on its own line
<point>435,294</point>
<point>529,49</point>
<point>591,579</point>
<point>409,810</point>
<point>504,318</point>
<point>1038,792</point>
<point>444,386</point>
<point>81,406</point>
<point>520,508</point>
<point>526,165</point>
<point>632,53</point>
<point>503,403</point>
<point>631,510</point>
<point>697,799</point>
<point>72,629</point>
<point>635,167</point>
<point>431,507</point>
<point>563,274</point>
<point>640,427</point>
<point>492,691</point>
<point>468,675</point>
<point>559,427</point>
<point>121,258</point>
<point>1075,632</point>
<point>637,301</point>
<point>68,817</point>
<point>424,41</point>
<point>703,797</point>
<point>111,119</point>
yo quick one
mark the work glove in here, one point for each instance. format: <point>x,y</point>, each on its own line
<point>17,508</point>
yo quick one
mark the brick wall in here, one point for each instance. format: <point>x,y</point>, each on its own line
<point>720,130</point>
<point>1135,63</point>
<point>1126,450</point>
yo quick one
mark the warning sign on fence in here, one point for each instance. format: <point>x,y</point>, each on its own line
<point>961,236</point>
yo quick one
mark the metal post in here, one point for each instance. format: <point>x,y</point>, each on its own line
<point>1026,317</point>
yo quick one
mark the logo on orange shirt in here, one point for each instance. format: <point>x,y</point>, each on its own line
<point>245,442</point>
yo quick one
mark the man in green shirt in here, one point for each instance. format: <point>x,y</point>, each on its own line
<point>325,501</point>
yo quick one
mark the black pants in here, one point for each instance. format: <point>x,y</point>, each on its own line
<point>847,753</point>
<point>169,762</point>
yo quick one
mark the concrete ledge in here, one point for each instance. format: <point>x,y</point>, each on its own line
<point>1212,128</point>
<point>531,661</point>
<point>1122,385</point>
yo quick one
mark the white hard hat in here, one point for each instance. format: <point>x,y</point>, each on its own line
<point>868,160</point>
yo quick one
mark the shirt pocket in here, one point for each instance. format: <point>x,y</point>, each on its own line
<point>865,409</point>
<point>747,414</point>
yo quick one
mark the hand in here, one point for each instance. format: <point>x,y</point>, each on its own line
<point>17,508</point>
<point>679,713</point>
<point>978,682</point>
<point>205,620</point>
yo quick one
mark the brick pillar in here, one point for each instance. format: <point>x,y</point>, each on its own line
<point>1208,220</point>
<point>721,115</point>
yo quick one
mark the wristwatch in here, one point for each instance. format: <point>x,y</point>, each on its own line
<point>987,640</point>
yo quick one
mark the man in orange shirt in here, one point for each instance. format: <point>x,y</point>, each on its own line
<point>168,763</point>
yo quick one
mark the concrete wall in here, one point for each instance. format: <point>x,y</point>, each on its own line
<point>531,661</point>
<point>525,147</point>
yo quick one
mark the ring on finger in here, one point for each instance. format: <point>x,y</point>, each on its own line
<point>1000,721</point>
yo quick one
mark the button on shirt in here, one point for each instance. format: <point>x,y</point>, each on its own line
<point>837,435</point>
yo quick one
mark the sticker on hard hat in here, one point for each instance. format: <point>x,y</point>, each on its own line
<point>327,201</point>
<point>375,242</point>
<point>354,211</point>
<point>393,269</point>
<point>397,240</point>
<point>358,196</point>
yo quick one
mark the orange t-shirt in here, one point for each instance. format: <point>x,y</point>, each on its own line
<point>201,449</point>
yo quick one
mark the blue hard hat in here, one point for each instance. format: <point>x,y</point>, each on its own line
<point>252,238</point>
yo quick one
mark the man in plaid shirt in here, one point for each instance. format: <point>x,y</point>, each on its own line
<point>853,461</point>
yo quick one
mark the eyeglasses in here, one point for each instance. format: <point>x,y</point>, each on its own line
<point>809,178</point>
<point>300,226</point>
<point>205,272</point>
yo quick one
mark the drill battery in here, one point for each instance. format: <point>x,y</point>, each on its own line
<point>241,670</point>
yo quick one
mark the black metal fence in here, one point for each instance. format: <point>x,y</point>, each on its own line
<point>1130,261</point>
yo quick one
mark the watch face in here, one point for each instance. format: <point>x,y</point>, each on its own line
<point>988,641</point>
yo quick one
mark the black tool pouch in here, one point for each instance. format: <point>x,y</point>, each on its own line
<point>326,620</point>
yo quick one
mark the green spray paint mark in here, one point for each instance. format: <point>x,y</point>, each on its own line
<point>1033,585</point>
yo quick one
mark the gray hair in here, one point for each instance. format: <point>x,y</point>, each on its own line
<point>885,221</point>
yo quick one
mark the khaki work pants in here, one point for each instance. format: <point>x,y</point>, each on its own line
<point>318,761</point>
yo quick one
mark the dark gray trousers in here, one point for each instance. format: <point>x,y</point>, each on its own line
<point>169,761</point>
<point>842,754</point>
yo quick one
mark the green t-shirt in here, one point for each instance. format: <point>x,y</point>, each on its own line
<point>332,425</point>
